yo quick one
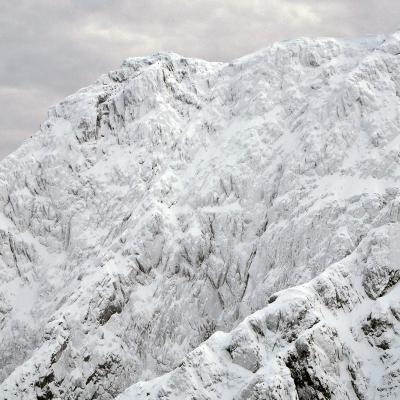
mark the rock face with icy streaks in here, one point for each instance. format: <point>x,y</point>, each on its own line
<point>174,197</point>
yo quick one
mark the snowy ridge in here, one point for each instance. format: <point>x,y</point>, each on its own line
<point>341,327</point>
<point>173,197</point>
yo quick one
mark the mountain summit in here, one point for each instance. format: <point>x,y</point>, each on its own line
<point>191,230</point>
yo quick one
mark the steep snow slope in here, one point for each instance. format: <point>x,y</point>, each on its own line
<point>173,197</point>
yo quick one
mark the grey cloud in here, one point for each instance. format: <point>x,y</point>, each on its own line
<point>52,48</point>
<point>21,114</point>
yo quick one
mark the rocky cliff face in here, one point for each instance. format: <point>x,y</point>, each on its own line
<point>168,202</point>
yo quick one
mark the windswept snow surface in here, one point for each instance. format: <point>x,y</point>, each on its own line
<point>191,230</point>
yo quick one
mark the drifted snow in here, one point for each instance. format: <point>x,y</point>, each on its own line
<point>173,198</point>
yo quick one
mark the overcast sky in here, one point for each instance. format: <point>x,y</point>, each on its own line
<point>51,48</point>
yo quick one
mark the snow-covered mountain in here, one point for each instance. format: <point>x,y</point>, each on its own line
<point>191,230</point>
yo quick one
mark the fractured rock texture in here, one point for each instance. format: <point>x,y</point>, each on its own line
<point>191,230</point>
